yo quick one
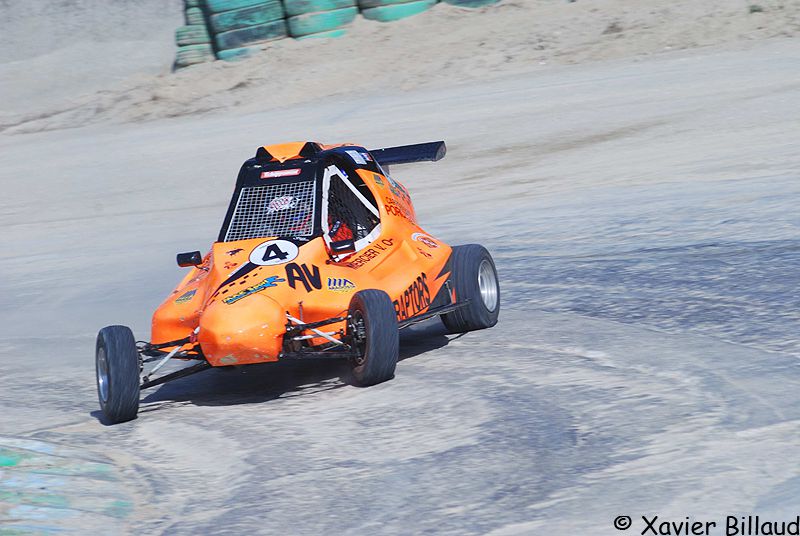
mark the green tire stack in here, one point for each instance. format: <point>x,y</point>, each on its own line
<point>470,3</point>
<point>193,40</point>
<point>319,18</point>
<point>237,25</point>
<point>392,10</point>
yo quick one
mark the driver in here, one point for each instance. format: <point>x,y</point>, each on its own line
<point>339,229</point>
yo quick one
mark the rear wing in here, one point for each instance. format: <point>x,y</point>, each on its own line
<point>405,154</point>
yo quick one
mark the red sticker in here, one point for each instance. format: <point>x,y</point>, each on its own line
<point>280,173</point>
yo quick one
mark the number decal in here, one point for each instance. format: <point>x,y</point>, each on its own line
<point>273,252</point>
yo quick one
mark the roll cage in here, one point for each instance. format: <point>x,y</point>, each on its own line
<point>324,183</point>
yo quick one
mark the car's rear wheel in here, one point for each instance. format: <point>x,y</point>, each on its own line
<point>117,369</point>
<point>374,335</point>
<point>474,278</point>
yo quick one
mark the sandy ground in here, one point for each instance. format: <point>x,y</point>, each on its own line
<point>52,52</point>
<point>437,49</point>
<point>642,213</point>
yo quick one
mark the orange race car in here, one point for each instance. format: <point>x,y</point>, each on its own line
<point>320,255</point>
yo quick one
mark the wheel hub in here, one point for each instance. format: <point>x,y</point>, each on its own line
<point>358,333</point>
<point>487,284</point>
<point>102,374</point>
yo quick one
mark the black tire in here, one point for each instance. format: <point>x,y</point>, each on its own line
<point>373,330</point>
<point>472,269</point>
<point>117,372</point>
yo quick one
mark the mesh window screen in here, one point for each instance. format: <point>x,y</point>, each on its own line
<point>273,210</point>
<point>345,208</point>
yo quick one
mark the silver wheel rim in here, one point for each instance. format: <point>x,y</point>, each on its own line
<point>102,374</point>
<point>487,283</point>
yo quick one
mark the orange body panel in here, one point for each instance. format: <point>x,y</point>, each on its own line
<point>242,313</point>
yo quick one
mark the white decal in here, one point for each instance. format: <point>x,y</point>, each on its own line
<point>281,203</point>
<point>357,157</point>
<point>425,239</point>
<point>274,252</point>
<point>280,173</point>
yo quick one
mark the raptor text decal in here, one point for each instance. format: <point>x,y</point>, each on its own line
<point>414,299</point>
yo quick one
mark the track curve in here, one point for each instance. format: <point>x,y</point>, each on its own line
<point>643,220</point>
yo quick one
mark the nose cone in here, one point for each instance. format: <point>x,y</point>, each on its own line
<point>249,330</point>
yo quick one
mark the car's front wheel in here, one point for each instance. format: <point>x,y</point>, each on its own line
<point>374,335</point>
<point>117,369</point>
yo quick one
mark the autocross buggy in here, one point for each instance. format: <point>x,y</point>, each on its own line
<point>319,256</point>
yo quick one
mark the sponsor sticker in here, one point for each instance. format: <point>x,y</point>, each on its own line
<point>395,208</point>
<point>340,284</point>
<point>234,251</point>
<point>398,189</point>
<point>186,296</point>
<point>357,157</point>
<point>274,252</point>
<point>281,203</point>
<point>377,179</point>
<point>267,283</point>
<point>371,252</point>
<point>280,173</point>
<point>425,239</point>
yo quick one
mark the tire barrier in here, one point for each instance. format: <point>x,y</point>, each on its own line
<point>392,10</point>
<point>193,39</point>
<point>236,24</point>
<point>194,16</point>
<point>195,34</point>
<point>218,6</point>
<point>192,55</point>
<point>236,54</point>
<point>228,29</point>
<point>323,35</point>
<point>321,21</point>
<point>248,16</point>
<point>470,3</point>
<point>299,7</point>
<point>251,35</point>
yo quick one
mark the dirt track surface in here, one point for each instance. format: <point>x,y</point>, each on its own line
<point>76,76</point>
<point>643,216</point>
